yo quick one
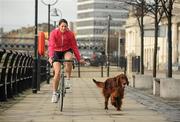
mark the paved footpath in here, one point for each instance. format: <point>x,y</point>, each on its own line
<point>83,103</point>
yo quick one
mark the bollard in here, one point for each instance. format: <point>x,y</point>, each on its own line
<point>39,73</point>
<point>156,86</point>
<point>108,68</point>
<point>34,82</point>
<point>133,85</point>
<point>79,70</point>
<point>48,72</point>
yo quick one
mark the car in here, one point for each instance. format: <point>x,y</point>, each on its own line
<point>86,55</point>
<point>92,58</point>
<point>96,59</point>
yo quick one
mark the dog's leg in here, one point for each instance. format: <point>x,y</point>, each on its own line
<point>106,102</point>
<point>113,101</point>
<point>119,104</point>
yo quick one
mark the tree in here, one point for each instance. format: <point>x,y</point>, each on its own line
<point>168,7</point>
<point>157,11</point>
<point>141,10</point>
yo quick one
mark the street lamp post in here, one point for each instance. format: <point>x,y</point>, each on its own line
<point>49,3</point>
<point>108,44</point>
<point>35,78</point>
<point>56,15</point>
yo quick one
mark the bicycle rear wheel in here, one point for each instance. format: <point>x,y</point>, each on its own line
<point>62,93</point>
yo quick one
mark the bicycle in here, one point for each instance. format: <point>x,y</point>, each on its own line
<point>61,89</point>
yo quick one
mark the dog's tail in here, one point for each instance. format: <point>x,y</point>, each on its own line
<point>98,84</point>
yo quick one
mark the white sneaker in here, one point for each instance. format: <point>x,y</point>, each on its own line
<point>67,84</point>
<point>55,98</point>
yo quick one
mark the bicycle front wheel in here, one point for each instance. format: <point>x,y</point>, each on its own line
<point>62,93</point>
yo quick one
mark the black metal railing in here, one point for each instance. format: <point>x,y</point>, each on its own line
<point>16,72</point>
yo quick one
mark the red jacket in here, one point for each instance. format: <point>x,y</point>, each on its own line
<point>59,41</point>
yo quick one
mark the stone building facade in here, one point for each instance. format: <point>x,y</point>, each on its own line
<point>133,40</point>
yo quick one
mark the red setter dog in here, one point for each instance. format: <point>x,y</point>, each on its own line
<point>113,88</point>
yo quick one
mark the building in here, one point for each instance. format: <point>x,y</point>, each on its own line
<point>1,33</point>
<point>92,23</point>
<point>133,40</point>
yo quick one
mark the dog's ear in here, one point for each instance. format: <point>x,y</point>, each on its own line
<point>118,80</point>
<point>125,77</point>
<point>98,84</point>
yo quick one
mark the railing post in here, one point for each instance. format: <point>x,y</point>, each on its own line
<point>10,75</point>
<point>15,74</point>
<point>4,75</point>
<point>2,82</point>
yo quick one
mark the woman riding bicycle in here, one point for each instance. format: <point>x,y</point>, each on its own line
<point>62,45</point>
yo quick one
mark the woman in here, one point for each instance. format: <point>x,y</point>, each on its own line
<point>62,45</point>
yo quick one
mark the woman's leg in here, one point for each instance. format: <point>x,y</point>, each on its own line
<point>68,56</point>
<point>56,78</point>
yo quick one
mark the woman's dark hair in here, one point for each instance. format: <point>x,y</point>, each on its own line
<point>63,21</point>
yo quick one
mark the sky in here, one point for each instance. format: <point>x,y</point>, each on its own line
<point>15,14</point>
